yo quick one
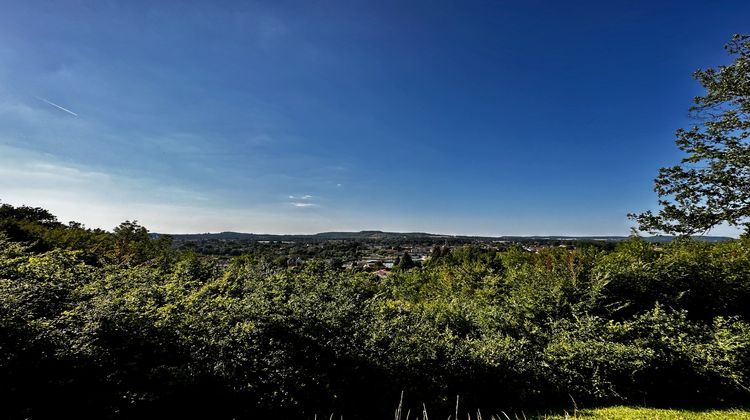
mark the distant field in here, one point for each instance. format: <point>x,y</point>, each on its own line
<point>653,413</point>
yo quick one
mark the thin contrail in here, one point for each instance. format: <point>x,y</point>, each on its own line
<point>58,106</point>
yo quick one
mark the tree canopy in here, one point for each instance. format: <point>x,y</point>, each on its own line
<point>712,184</point>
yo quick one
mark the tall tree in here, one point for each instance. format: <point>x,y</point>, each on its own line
<point>712,184</point>
<point>406,262</point>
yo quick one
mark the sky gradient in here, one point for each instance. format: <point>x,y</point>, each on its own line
<point>491,118</point>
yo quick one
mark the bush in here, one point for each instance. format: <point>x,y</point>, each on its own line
<point>135,329</point>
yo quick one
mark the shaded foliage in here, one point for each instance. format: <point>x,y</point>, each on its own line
<point>100,324</point>
<point>712,184</point>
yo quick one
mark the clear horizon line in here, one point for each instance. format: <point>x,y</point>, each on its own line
<point>434,234</point>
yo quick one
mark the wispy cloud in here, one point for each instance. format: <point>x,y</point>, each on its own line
<point>302,201</point>
<point>102,199</point>
<point>299,204</point>
<point>57,106</point>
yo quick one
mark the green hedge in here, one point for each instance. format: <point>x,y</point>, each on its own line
<point>95,329</point>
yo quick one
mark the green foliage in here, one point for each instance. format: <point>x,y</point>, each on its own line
<point>711,184</point>
<point>120,325</point>
<point>707,280</point>
<point>405,262</point>
<point>639,413</point>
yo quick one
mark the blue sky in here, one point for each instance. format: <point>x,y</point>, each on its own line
<point>493,118</point>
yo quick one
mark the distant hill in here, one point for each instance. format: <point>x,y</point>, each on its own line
<point>323,236</point>
<point>376,235</point>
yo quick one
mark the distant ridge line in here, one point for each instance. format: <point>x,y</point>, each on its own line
<point>380,235</point>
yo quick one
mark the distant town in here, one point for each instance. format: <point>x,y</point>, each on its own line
<point>376,251</point>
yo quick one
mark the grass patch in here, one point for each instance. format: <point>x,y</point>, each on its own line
<point>620,412</point>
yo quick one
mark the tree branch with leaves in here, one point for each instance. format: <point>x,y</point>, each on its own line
<point>712,184</point>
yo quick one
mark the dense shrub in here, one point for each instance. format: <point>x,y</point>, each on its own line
<point>120,325</point>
